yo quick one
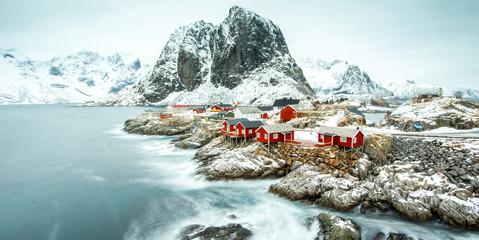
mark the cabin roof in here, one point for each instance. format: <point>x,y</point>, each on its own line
<point>214,115</point>
<point>337,131</point>
<point>285,102</point>
<point>285,127</point>
<point>248,110</point>
<point>223,105</point>
<point>235,121</point>
<point>265,108</point>
<point>251,124</point>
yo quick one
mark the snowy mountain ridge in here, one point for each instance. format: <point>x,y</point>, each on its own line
<point>245,59</point>
<point>79,77</point>
<point>340,78</point>
<point>407,89</point>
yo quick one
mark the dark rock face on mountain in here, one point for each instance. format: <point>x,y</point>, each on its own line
<point>245,49</point>
<point>245,41</point>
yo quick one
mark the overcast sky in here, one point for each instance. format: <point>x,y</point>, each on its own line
<point>430,41</point>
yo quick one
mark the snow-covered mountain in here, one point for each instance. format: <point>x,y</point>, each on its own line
<point>340,78</point>
<point>244,59</point>
<point>79,77</point>
<point>408,88</point>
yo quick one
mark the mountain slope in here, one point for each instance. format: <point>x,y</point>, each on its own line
<point>243,59</point>
<point>340,78</point>
<point>79,77</point>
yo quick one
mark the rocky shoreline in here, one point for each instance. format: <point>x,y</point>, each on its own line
<point>419,178</point>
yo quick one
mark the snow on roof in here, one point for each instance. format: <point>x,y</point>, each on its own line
<point>297,107</point>
<point>251,124</point>
<point>285,127</point>
<point>343,132</point>
<point>248,110</point>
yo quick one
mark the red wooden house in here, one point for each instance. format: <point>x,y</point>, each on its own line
<point>248,129</point>
<point>165,115</point>
<point>264,115</point>
<point>199,110</point>
<point>290,112</point>
<point>345,137</point>
<point>221,107</point>
<point>228,127</point>
<point>275,133</point>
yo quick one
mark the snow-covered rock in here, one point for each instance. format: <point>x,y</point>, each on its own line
<point>219,160</point>
<point>244,59</point>
<point>336,227</point>
<point>78,77</point>
<point>408,89</point>
<point>340,78</point>
<point>434,113</point>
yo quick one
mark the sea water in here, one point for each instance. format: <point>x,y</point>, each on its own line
<point>72,173</point>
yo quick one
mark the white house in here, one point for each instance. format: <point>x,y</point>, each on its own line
<point>247,112</point>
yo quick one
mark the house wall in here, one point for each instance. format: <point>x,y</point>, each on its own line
<point>215,109</point>
<point>224,126</point>
<point>281,137</point>
<point>287,113</point>
<point>359,140</point>
<point>326,139</point>
<point>240,128</point>
<point>261,137</point>
<point>337,141</point>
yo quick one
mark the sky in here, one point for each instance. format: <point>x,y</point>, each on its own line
<point>429,41</point>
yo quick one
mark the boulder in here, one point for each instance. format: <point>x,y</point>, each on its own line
<point>398,236</point>
<point>335,227</point>
<point>308,182</point>
<point>377,147</point>
<point>460,212</point>
<point>231,231</point>
<point>221,161</point>
<point>341,199</point>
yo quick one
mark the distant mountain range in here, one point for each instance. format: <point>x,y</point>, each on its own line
<point>244,59</point>
<point>407,89</point>
<point>79,77</point>
<point>340,78</point>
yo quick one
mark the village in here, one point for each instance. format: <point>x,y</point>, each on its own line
<point>269,124</point>
<point>326,154</point>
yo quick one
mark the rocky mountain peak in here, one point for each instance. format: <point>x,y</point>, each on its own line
<point>243,47</point>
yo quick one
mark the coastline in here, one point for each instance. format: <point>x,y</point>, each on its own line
<point>376,181</point>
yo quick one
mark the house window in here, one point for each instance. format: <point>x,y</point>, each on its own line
<point>250,131</point>
<point>266,136</point>
<point>343,139</point>
<point>355,140</point>
<point>242,131</point>
<point>322,137</point>
<point>258,135</point>
<point>275,136</point>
